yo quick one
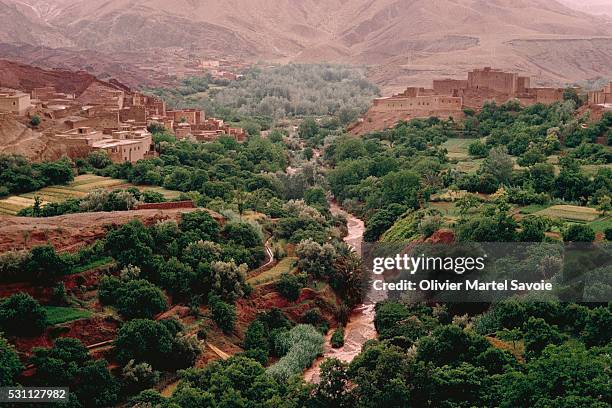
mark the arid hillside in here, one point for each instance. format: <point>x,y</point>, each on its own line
<point>407,40</point>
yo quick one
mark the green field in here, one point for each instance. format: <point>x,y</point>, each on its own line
<point>57,315</point>
<point>458,148</point>
<point>570,213</point>
<point>284,265</point>
<point>79,188</point>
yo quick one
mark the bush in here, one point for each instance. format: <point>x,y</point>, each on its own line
<point>315,318</point>
<point>608,233</point>
<point>289,286</point>
<point>22,315</point>
<point>222,313</point>
<point>138,377</point>
<point>578,233</point>
<point>337,339</point>
<point>144,340</point>
<point>10,365</point>
<point>306,344</point>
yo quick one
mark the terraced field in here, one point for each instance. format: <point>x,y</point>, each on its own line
<point>80,187</point>
<point>570,213</point>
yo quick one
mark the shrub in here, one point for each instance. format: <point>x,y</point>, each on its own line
<point>337,339</point>
<point>22,315</point>
<point>578,233</point>
<point>306,344</point>
<point>315,318</point>
<point>289,286</point>
<point>139,376</point>
<point>222,313</point>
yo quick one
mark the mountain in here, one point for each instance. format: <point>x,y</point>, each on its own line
<point>591,6</point>
<point>403,40</point>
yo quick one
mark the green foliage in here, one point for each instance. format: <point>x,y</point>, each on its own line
<point>337,338</point>
<point>18,175</point>
<point>134,298</point>
<point>44,264</point>
<point>10,365</point>
<point>22,315</point>
<point>306,344</point>
<point>35,121</point>
<point>68,364</point>
<point>289,286</point>
<point>578,233</point>
<point>478,149</point>
<point>224,314</point>
<point>144,340</point>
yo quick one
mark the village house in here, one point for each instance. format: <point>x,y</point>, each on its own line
<point>13,101</point>
<point>126,144</point>
<point>603,97</point>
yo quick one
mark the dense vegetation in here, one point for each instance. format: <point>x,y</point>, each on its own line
<point>279,92</point>
<point>518,353</point>
<point>18,175</point>
<point>371,177</point>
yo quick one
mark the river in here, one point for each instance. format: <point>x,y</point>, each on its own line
<point>360,327</point>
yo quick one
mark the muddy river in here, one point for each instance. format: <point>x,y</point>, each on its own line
<point>360,327</point>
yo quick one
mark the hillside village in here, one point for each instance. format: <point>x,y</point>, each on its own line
<point>96,116</point>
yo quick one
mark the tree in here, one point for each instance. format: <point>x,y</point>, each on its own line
<point>578,233</point>
<point>60,365</point>
<point>35,121</point>
<point>44,264</point>
<point>178,278</point>
<point>570,94</point>
<point>499,164</point>
<point>131,244</point>
<point>598,328</point>
<point>224,314</point>
<point>201,223</point>
<point>542,176</point>
<point>139,376</point>
<point>604,205</point>
<point>478,149</point>
<point>450,345</point>
<point>96,386</point>
<point>140,299</point>
<point>315,259</point>
<point>228,280</point>
<point>539,334</point>
<point>308,128</point>
<point>289,286</point>
<point>334,385</point>
<point>467,202</point>
<point>10,365</point>
<point>99,159</point>
<point>532,229</point>
<point>242,233</point>
<point>144,340</point>
<point>315,197</point>
<point>402,187</point>
<point>22,315</point>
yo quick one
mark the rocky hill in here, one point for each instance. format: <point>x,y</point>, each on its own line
<point>405,39</point>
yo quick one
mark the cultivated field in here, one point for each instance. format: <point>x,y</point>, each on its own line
<point>57,315</point>
<point>79,188</point>
<point>570,213</point>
